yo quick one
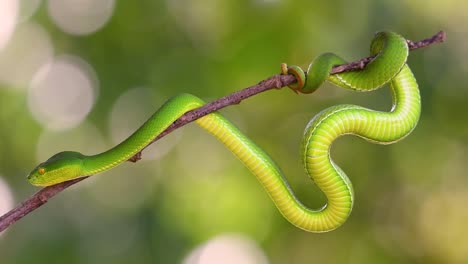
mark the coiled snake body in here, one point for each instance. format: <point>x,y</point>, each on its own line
<point>389,66</point>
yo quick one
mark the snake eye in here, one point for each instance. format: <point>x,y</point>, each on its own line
<point>41,171</point>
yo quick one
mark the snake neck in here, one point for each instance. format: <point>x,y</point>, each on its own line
<point>122,152</point>
<point>155,125</point>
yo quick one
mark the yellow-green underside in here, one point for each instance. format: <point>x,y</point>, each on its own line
<point>377,127</point>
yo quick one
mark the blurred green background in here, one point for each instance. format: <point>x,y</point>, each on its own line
<point>82,75</point>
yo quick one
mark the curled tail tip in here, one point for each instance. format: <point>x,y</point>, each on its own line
<point>298,73</point>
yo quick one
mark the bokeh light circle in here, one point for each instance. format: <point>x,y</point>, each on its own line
<point>20,60</point>
<point>62,93</point>
<point>6,197</point>
<point>8,18</point>
<point>80,17</point>
<point>227,249</point>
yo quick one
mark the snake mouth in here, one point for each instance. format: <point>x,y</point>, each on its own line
<point>33,176</point>
<point>34,180</point>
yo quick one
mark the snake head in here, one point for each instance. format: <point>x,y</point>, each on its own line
<point>61,167</point>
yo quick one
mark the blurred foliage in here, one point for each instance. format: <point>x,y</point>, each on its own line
<point>410,197</point>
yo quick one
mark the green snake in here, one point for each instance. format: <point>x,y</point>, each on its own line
<point>388,66</point>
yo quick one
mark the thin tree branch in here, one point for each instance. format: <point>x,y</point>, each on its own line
<point>360,64</point>
<point>274,82</point>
